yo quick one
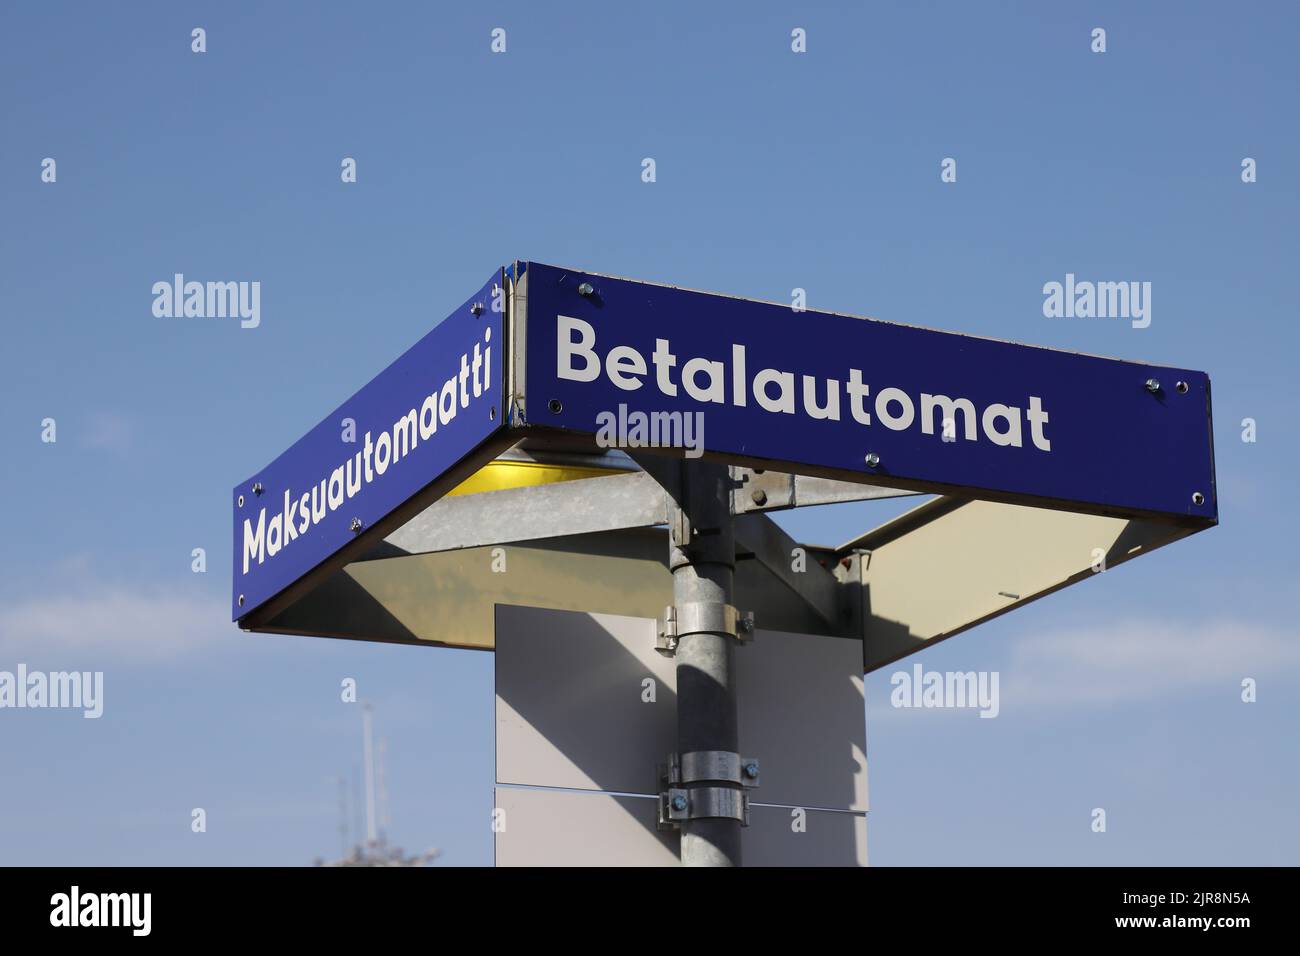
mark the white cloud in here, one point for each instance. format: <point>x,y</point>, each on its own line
<point>111,621</point>
<point>1142,660</point>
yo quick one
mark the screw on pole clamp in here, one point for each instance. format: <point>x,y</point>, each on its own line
<point>679,805</point>
<point>702,617</point>
<point>681,801</point>
<point>711,766</point>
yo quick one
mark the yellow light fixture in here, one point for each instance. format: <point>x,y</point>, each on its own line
<point>503,473</point>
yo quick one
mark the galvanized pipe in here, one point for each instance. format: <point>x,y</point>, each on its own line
<point>703,568</point>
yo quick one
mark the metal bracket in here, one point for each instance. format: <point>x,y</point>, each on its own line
<point>760,490</point>
<point>666,638</point>
<point>702,803</point>
<point>711,766</point>
<point>757,489</point>
<point>702,617</point>
<point>682,801</point>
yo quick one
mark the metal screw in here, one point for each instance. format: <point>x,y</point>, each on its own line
<point>759,496</point>
<point>257,488</point>
<point>1153,386</point>
<point>872,459</point>
<point>679,802</point>
<point>1181,388</point>
<point>241,600</point>
<point>241,501</point>
<point>747,623</point>
<point>1198,498</point>
<point>356,525</point>
<point>751,770</point>
<point>476,309</point>
<point>555,405</point>
<point>492,414</point>
<point>586,289</point>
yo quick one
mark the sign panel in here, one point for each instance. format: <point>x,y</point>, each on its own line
<point>414,422</point>
<point>585,702</point>
<point>573,828</point>
<point>639,364</point>
<point>587,709</point>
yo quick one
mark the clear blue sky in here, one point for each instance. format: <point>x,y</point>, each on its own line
<point>775,171</point>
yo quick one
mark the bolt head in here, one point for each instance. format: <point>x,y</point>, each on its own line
<point>759,496</point>
<point>586,289</point>
<point>356,525</point>
<point>872,459</point>
<point>1198,498</point>
<point>1152,386</point>
<point>679,802</point>
<point>257,488</point>
<point>751,770</point>
<point>476,309</point>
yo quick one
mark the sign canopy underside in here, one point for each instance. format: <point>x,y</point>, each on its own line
<point>1050,466</point>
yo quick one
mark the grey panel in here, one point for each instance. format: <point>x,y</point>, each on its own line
<point>570,710</point>
<point>569,700</point>
<point>564,828</point>
<point>802,714</point>
<point>568,828</point>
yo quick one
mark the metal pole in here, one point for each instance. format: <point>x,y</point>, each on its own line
<point>702,558</point>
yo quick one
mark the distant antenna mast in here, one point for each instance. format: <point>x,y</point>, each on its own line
<point>357,823</point>
<point>375,851</point>
<point>344,835</point>
<point>367,724</point>
<point>383,789</point>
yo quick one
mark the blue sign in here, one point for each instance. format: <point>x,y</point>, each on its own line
<point>387,445</point>
<point>635,363</point>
